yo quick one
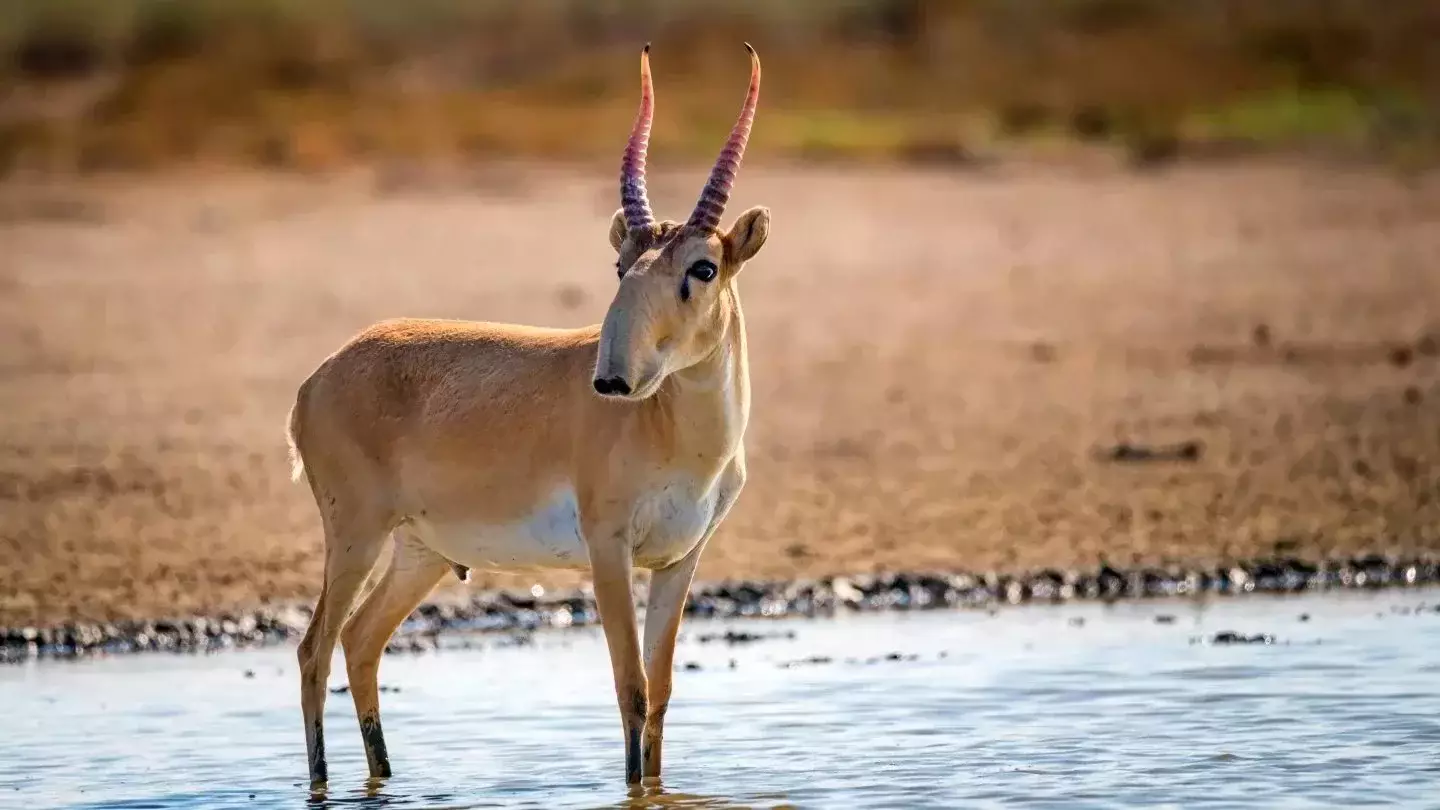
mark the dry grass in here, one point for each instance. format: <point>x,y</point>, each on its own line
<point>320,84</point>
<point>940,360</point>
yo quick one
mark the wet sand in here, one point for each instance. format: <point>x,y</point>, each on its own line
<point>1009,369</point>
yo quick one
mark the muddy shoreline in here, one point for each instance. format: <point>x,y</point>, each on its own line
<point>1037,366</point>
<point>518,612</point>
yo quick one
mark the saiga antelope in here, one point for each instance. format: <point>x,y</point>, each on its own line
<point>507,447</point>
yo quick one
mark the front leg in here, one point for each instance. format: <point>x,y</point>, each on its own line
<point>610,563</point>
<point>664,609</point>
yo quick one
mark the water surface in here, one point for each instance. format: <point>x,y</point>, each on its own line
<point>1079,705</point>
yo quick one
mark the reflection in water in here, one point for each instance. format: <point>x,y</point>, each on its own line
<point>1067,706</point>
<point>639,797</point>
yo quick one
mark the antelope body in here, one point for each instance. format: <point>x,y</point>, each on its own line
<point>509,447</point>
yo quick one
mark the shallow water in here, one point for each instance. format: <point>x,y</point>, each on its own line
<point>1079,705</point>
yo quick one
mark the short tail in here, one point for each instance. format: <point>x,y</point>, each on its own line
<point>297,462</point>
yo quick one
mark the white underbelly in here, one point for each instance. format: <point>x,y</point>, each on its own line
<point>548,537</point>
<point>665,525</point>
<point>671,521</point>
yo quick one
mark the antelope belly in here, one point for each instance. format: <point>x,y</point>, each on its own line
<point>672,520</point>
<point>548,537</point>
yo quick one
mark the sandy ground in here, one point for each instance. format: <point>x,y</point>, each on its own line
<point>940,361</point>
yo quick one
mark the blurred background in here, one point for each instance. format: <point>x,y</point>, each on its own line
<point>134,84</point>
<point>1051,285</point>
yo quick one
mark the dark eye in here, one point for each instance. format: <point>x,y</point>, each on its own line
<point>619,269</point>
<point>703,270</point>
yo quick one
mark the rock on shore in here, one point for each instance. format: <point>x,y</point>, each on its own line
<point>506,611</point>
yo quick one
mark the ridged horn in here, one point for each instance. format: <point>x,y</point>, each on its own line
<point>716,193</point>
<point>633,198</point>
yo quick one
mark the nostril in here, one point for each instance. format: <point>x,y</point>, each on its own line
<point>611,385</point>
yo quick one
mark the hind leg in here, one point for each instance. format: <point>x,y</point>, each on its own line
<point>352,546</point>
<point>414,570</point>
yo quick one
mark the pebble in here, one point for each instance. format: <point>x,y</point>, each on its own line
<point>345,689</point>
<point>1184,451</point>
<point>517,614</point>
<point>811,661</point>
<point>733,637</point>
<point>1231,637</point>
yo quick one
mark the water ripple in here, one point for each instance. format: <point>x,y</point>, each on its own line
<point>1038,711</point>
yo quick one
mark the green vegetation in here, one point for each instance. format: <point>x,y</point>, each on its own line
<point>133,84</point>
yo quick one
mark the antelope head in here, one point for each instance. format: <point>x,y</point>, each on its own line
<point>676,294</point>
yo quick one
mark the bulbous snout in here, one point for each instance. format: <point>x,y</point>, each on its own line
<point>612,367</point>
<point>612,387</point>
<point>622,364</point>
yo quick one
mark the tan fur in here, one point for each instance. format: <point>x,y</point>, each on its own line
<point>436,430</point>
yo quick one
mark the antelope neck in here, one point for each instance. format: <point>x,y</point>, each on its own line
<point>707,405</point>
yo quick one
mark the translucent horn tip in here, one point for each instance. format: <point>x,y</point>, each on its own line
<point>633,196</point>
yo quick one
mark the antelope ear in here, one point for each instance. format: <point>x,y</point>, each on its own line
<point>618,229</point>
<point>748,234</point>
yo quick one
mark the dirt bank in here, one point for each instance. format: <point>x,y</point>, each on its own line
<point>1007,369</point>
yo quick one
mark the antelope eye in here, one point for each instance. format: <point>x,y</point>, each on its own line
<point>703,270</point>
<point>619,270</point>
